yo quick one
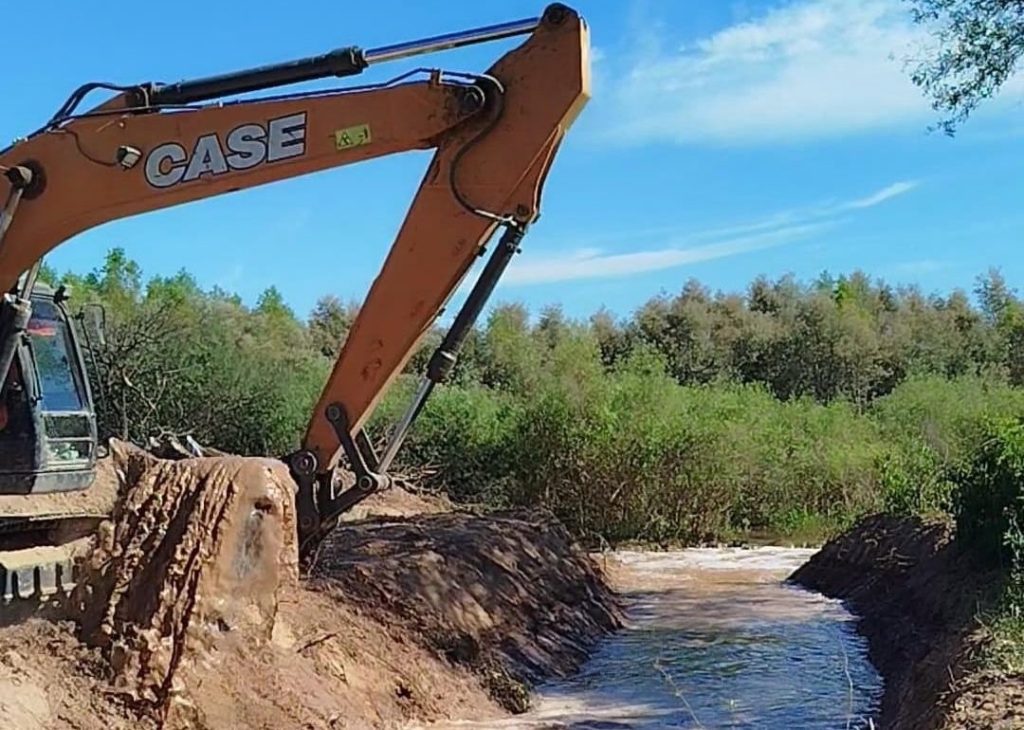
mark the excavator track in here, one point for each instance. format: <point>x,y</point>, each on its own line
<point>42,534</point>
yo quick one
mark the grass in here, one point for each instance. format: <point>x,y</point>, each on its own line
<point>1005,648</point>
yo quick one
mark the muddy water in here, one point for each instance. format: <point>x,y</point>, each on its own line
<point>715,639</point>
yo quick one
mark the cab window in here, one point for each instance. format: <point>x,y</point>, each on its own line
<point>51,348</point>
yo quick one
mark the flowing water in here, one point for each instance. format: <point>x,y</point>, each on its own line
<point>714,639</point>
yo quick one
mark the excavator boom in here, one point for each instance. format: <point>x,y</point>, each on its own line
<point>152,146</point>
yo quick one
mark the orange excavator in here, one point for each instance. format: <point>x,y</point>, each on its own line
<point>150,146</point>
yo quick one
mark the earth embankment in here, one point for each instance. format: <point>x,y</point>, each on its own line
<point>918,594</point>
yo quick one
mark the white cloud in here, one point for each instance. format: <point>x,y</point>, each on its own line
<point>809,69</point>
<point>777,230</point>
<point>591,264</point>
<point>887,193</point>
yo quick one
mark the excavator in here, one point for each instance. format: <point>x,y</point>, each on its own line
<point>153,145</point>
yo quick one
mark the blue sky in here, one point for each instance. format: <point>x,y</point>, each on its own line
<point>724,140</point>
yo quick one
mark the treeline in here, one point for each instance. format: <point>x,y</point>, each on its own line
<point>791,407</point>
<point>835,338</point>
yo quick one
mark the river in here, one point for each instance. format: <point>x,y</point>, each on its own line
<point>715,638</point>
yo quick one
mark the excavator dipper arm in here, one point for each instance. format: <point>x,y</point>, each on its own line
<point>494,135</point>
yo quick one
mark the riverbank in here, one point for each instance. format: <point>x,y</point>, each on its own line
<point>918,594</point>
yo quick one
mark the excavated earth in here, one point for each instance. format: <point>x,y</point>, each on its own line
<point>192,614</point>
<point>918,594</point>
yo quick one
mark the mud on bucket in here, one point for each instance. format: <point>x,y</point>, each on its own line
<point>195,555</point>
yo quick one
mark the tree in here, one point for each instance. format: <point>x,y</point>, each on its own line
<point>994,294</point>
<point>552,327</point>
<point>1011,330</point>
<point>611,338</point>
<point>329,324</point>
<point>119,277</point>
<point>272,304</point>
<point>980,44</point>
<point>509,355</point>
<point>48,275</point>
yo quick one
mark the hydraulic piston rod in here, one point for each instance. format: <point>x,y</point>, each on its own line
<point>15,310</point>
<point>445,356</point>
<point>451,40</point>
<point>340,62</point>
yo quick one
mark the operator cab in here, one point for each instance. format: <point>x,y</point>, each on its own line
<point>47,424</point>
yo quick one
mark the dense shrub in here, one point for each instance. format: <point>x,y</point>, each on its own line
<point>786,408</point>
<point>989,508</point>
<point>934,427</point>
<point>631,454</point>
<point>989,497</point>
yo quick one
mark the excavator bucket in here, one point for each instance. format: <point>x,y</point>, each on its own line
<point>195,552</point>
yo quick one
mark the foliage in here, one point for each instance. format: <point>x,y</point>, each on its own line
<point>329,324</point>
<point>989,510</point>
<point>173,358</point>
<point>989,500</point>
<point>789,408</point>
<point>844,338</point>
<point>979,46</point>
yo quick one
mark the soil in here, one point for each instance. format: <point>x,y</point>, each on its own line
<point>917,593</point>
<point>506,595</point>
<point>196,617</point>
<point>193,556</point>
<point>398,502</point>
<point>328,666</point>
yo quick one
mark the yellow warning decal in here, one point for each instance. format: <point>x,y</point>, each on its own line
<point>352,136</point>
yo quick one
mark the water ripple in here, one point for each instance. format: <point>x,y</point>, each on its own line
<point>715,639</point>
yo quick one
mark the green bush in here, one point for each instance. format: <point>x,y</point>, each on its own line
<point>789,408</point>
<point>949,417</point>
<point>913,479</point>
<point>989,510</point>
<point>989,498</point>
<point>631,454</point>
<point>933,428</point>
<point>464,432</point>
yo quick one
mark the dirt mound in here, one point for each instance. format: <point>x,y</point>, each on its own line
<point>398,502</point>
<point>190,612</point>
<point>328,666</point>
<point>51,681</point>
<point>507,595</point>
<point>918,593</point>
